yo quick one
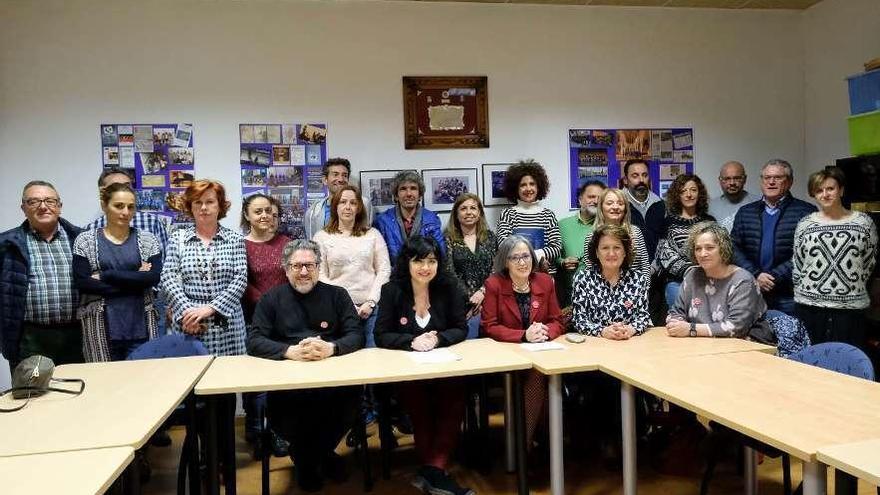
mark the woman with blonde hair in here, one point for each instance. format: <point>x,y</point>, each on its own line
<point>614,210</point>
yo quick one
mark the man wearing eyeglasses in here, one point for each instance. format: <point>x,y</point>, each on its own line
<point>732,180</point>
<point>38,299</point>
<point>763,235</point>
<point>308,320</point>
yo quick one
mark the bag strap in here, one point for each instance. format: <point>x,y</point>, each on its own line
<point>82,387</point>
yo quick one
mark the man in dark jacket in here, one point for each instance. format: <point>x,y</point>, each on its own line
<point>38,300</point>
<point>763,234</point>
<point>308,320</point>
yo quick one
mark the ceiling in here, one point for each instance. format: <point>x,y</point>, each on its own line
<point>717,4</point>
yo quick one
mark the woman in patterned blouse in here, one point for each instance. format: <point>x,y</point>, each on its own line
<point>835,250</point>
<point>527,184</point>
<point>717,298</point>
<point>614,210</point>
<point>471,250</point>
<point>687,204</point>
<point>205,273</point>
<point>610,298</point>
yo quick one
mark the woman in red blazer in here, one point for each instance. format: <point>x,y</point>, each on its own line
<point>521,306</point>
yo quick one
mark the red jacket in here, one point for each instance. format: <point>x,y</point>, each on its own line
<point>501,318</point>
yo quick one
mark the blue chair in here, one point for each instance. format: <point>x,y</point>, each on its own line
<point>832,356</point>
<point>170,346</point>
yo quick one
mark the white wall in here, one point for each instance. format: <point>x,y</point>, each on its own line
<point>68,65</point>
<point>839,36</point>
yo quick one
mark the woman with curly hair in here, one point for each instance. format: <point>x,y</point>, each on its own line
<point>527,184</point>
<point>687,204</point>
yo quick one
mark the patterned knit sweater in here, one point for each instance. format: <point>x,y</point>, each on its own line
<point>833,260</point>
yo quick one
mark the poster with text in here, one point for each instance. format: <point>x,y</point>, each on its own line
<point>599,154</point>
<point>284,161</point>
<point>161,159</point>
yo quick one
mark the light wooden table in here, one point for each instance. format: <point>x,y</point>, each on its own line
<point>792,406</point>
<point>123,404</point>
<point>81,472</point>
<point>228,375</point>
<point>591,355</point>
<point>860,459</point>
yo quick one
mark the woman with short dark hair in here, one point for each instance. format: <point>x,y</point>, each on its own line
<point>835,250</point>
<point>526,184</point>
<point>421,309</point>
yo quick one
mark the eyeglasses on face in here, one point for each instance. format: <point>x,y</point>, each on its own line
<point>520,258</point>
<point>297,267</point>
<point>36,202</point>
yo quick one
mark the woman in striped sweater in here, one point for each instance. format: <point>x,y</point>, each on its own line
<point>687,204</point>
<point>526,183</point>
<point>614,210</point>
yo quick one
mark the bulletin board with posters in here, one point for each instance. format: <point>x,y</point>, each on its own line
<point>599,154</point>
<point>159,156</point>
<point>284,161</point>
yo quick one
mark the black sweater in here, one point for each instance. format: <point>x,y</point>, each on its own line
<point>396,323</point>
<point>283,317</point>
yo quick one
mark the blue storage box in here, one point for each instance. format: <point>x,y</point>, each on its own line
<point>864,92</point>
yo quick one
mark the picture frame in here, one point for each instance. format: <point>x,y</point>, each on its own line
<point>445,112</point>
<point>493,184</point>
<point>376,187</point>
<point>444,185</point>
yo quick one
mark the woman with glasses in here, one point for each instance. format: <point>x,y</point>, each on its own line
<point>421,309</point>
<point>354,256</point>
<point>205,273</point>
<point>614,210</point>
<point>471,247</point>
<point>521,306</point>
<point>527,184</point>
<point>687,204</point>
<point>263,244</point>
<point>115,269</point>
<point>835,251</point>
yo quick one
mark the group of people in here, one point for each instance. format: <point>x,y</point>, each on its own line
<point>400,280</point>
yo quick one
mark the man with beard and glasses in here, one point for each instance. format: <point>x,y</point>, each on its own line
<point>732,180</point>
<point>308,320</point>
<point>574,230</point>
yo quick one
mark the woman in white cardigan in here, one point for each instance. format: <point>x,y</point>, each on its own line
<point>354,255</point>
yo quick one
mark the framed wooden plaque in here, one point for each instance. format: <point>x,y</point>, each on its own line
<point>446,112</point>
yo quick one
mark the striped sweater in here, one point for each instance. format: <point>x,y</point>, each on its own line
<point>535,223</point>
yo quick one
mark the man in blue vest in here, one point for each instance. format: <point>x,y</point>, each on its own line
<point>407,218</point>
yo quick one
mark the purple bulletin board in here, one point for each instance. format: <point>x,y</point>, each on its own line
<point>284,161</point>
<point>599,154</point>
<point>159,156</point>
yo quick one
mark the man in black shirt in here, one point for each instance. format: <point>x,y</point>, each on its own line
<point>308,320</point>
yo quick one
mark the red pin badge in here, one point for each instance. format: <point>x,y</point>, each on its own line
<point>628,303</point>
<point>535,304</point>
<point>403,320</point>
<point>324,325</point>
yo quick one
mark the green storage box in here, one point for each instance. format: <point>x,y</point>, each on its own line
<point>864,133</point>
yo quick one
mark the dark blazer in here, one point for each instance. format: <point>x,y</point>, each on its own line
<point>501,318</point>
<point>396,323</point>
<point>747,232</point>
<point>14,268</point>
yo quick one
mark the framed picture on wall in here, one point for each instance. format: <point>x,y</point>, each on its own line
<point>493,184</point>
<point>446,112</point>
<point>443,186</point>
<point>376,186</point>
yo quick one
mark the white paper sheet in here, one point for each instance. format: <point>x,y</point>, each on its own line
<point>434,356</point>
<point>542,346</point>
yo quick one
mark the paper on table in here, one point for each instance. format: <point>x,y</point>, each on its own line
<point>434,356</point>
<point>542,346</point>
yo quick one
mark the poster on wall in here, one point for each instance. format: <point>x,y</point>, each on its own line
<point>599,154</point>
<point>285,162</point>
<point>160,157</point>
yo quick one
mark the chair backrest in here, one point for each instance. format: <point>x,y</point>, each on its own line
<point>839,357</point>
<point>171,345</point>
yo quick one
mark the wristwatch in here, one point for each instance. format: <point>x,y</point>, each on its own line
<point>693,332</point>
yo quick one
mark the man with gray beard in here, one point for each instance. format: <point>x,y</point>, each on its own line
<point>308,320</point>
<point>574,230</point>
